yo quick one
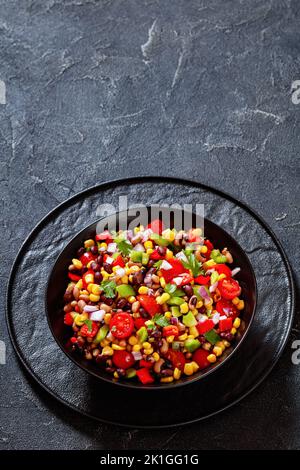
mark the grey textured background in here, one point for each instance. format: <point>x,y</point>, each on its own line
<point>105,89</point>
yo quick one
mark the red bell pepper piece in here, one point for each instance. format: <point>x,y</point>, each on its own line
<point>139,322</point>
<point>225,324</point>
<point>74,277</point>
<point>156,255</point>
<point>87,257</point>
<point>226,307</point>
<point>144,376</point>
<point>68,319</point>
<point>177,268</point>
<point>119,261</point>
<point>203,280</point>
<point>170,330</point>
<point>223,269</point>
<point>146,364</point>
<point>149,303</point>
<point>200,356</point>
<point>177,358</point>
<point>104,237</point>
<point>205,326</point>
<point>182,280</point>
<point>157,226</point>
<point>210,247</point>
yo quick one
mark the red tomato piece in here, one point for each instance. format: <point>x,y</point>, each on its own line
<point>87,257</point>
<point>84,330</point>
<point>144,376</point>
<point>203,280</point>
<point>223,269</point>
<point>229,288</point>
<point>210,247</point>
<point>139,322</point>
<point>156,255</point>
<point>146,364</point>
<point>121,325</point>
<point>192,237</point>
<point>119,261</point>
<point>225,324</point>
<point>200,356</point>
<point>68,319</point>
<point>184,278</point>
<point>170,330</point>
<point>205,326</point>
<point>149,303</point>
<point>157,226</point>
<point>225,307</point>
<point>104,237</point>
<point>74,277</point>
<point>177,358</point>
<point>123,359</point>
<point>177,268</point>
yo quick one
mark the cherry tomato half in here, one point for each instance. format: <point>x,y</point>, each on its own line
<point>177,358</point>
<point>123,359</point>
<point>225,307</point>
<point>200,356</point>
<point>223,269</point>
<point>87,257</point>
<point>89,333</point>
<point>157,226</point>
<point>149,303</point>
<point>229,288</point>
<point>121,325</point>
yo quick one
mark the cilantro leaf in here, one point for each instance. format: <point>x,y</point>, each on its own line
<point>160,320</point>
<point>170,288</point>
<point>158,263</point>
<point>109,289</point>
<point>89,324</point>
<point>124,246</point>
<point>193,264</point>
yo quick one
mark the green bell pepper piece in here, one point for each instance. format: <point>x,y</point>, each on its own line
<point>175,311</point>
<point>145,259</point>
<point>101,335</point>
<point>189,320</point>
<point>212,336</point>
<point>175,301</point>
<point>159,240</point>
<point>142,334</point>
<point>125,290</point>
<point>130,373</point>
<point>192,344</point>
<point>136,256</point>
<point>214,277</point>
<point>218,257</point>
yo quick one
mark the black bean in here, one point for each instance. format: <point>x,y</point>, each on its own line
<point>193,301</point>
<point>121,372</point>
<point>110,370</point>
<point>151,263</point>
<point>161,250</point>
<point>106,300</point>
<point>166,372</point>
<point>95,266</point>
<point>201,339</point>
<point>188,290</point>
<point>202,310</point>
<point>101,359</point>
<point>108,268</point>
<point>98,276</point>
<point>94,250</point>
<point>143,313</point>
<point>80,252</point>
<point>226,335</point>
<point>121,303</point>
<point>100,259</point>
<point>138,277</point>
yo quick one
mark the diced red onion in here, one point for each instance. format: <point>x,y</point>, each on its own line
<point>210,271</point>
<point>203,293</point>
<point>213,287</point>
<point>111,248</point>
<point>215,318</point>
<point>90,308</point>
<point>226,310</point>
<point>235,271</point>
<point>110,336</point>
<point>165,265</point>
<point>174,321</point>
<point>201,318</point>
<point>109,260</point>
<point>177,281</point>
<point>137,355</point>
<point>146,234</point>
<point>222,317</point>
<point>139,247</point>
<point>120,272</point>
<point>181,256</point>
<point>97,315</point>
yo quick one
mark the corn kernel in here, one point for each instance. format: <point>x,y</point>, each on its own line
<point>89,278</point>
<point>104,343</point>
<point>177,373</point>
<point>136,348</point>
<point>195,366</point>
<point>233,331</point>
<point>199,304</point>
<point>117,347</point>
<point>77,263</point>
<point>79,284</point>
<point>149,251</point>
<point>124,279</point>
<point>206,346</point>
<point>220,344</point>
<point>162,282</point>
<point>105,275</point>
<point>134,269</point>
<point>136,230</point>
<point>107,351</point>
<point>131,299</point>
<point>107,318</point>
<point>217,351</point>
<point>116,375</point>
<point>94,298</point>
<point>191,337</point>
<point>168,314</point>
<point>103,245</point>
<point>163,298</point>
<point>183,337</point>
<point>221,276</point>
<point>143,290</point>
<point>156,356</point>
<point>89,243</point>
<point>203,249</point>
<point>167,380</point>
<point>127,270</point>
<point>169,254</point>
<point>235,301</point>
<point>211,358</point>
<point>209,264</point>
<point>241,305</point>
<point>96,289</point>
<point>193,331</point>
<point>89,288</point>
<point>226,343</point>
<point>130,277</point>
<point>148,351</point>
<point>170,338</point>
<point>184,308</point>
<point>188,368</point>
<point>80,319</point>
<point>148,244</point>
<point>133,340</point>
<point>146,345</point>
<point>237,323</point>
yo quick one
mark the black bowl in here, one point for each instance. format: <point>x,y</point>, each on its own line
<point>58,280</point>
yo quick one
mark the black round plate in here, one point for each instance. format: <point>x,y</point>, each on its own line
<point>71,385</point>
<point>58,280</point>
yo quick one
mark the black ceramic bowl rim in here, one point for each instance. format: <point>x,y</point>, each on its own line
<point>188,380</point>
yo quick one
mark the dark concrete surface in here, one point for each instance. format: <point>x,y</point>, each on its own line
<point>106,89</point>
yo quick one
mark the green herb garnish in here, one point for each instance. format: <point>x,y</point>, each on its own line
<point>193,264</point>
<point>109,289</point>
<point>170,288</point>
<point>124,246</point>
<point>160,320</point>
<point>158,263</point>
<point>89,324</point>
